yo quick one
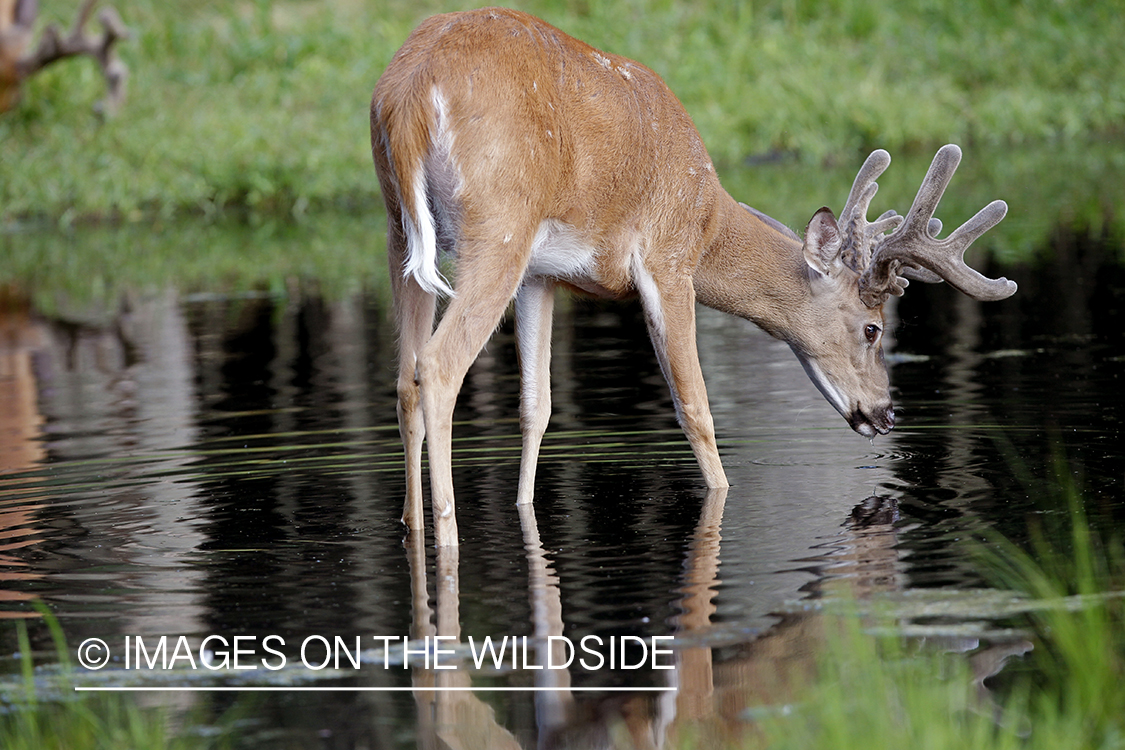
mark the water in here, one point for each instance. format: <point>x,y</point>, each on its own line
<point>228,464</point>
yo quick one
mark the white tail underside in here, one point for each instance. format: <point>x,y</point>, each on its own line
<point>421,229</point>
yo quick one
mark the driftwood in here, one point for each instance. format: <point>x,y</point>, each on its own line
<point>17,65</point>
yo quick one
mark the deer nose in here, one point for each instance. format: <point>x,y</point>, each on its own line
<point>879,420</point>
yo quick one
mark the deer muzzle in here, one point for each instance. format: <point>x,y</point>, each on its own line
<point>879,421</point>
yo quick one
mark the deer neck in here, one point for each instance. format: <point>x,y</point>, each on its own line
<point>753,268</point>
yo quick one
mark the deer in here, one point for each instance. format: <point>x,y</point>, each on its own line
<point>537,162</point>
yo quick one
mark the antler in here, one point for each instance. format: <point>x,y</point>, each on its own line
<point>912,250</point>
<point>858,235</point>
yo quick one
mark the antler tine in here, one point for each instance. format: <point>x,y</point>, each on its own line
<point>933,186</point>
<point>913,251</point>
<point>864,186</point>
<point>858,234</point>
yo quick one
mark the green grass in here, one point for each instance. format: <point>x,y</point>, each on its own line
<point>341,253</point>
<point>83,721</point>
<point>876,692</point>
<point>262,107</point>
<point>93,724</point>
<point>880,693</point>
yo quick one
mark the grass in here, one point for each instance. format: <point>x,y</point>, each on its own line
<point>72,267</point>
<point>102,723</point>
<point>84,721</point>
<point>261,107</point>
<point>880,693</point>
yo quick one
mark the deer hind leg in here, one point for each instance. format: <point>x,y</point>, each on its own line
<point>415,311</point>
<point>488,274</point>
<point>534,308</point>
<point>669,306</point>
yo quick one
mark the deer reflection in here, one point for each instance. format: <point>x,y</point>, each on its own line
<point>449,718</point>
<point>694,675</point>
<point>93,385</point>
<point>552,706</point>
<point>21,430</point>
<point>446,717</point>
<point>708,697</point>
<point>461,719</point>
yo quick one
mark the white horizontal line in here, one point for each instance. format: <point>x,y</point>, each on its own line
<point>435,689</point>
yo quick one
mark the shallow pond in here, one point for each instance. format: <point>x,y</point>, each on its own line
<point>228,464</point>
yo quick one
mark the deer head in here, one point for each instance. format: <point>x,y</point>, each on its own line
<point>855,265</point>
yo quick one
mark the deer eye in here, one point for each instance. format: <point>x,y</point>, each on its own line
<point>871,332</point>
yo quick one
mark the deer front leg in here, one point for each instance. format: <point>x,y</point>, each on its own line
<point>534,308</point>
<point>669,306</point>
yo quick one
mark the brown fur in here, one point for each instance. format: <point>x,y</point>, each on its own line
<point>542,130</point>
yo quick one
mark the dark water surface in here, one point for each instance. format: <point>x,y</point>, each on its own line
<point>197,464</point>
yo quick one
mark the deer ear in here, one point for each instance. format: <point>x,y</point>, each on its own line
<point>823,242</point>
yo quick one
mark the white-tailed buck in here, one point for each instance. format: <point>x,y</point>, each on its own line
<point>537,160</point>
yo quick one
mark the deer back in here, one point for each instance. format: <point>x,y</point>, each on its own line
<point>492,117</point>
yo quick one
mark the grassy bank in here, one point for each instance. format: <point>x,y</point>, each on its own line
<point>262,107</point>
<point>1072,189</point>
<point>100,722</point>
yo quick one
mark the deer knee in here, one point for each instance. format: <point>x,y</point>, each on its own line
<point>409,394</point>
<point>535,413</point>
<point>699,427</point>
<point>696,417</point>
<point>437,386</point>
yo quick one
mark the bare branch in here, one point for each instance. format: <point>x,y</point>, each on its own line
<point>53,47</point>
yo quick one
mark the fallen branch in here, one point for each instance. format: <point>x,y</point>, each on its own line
<point>53,46</point>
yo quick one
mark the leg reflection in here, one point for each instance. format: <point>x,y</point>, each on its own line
<point>448,717</point>
<point>693,675</point>
<point>553,706</point>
